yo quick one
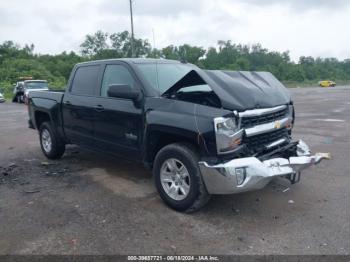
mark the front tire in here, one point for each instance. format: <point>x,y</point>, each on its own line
<point>51,144</point>
<point>178,178</point>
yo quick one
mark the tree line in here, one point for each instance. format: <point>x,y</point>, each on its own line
<point>18,61</point>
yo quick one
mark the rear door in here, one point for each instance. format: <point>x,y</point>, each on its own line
<point>118,123</point>
<point>78,105</point>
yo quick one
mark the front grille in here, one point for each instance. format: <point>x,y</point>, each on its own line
<point>258,142</point>
<point>250,121</point>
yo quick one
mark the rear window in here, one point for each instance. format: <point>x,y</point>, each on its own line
<point>85,80</point>
<point>36,85</point>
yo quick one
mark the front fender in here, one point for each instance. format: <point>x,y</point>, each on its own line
<point>167,119</point>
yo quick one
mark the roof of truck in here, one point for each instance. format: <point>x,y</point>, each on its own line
<point>134,60</point>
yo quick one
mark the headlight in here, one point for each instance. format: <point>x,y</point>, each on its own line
<point>224,125</point>
<point>228,137</point>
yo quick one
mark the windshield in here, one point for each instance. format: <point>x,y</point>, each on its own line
<point>163,76</point>
<point>36,85</point>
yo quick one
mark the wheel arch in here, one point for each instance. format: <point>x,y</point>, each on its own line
<point>156,139</point>
<point>41,117</point>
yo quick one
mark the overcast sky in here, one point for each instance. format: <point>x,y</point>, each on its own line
<point>304,27</point>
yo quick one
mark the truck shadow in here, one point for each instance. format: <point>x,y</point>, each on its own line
<point>121,176</point>
<point>133,180</point>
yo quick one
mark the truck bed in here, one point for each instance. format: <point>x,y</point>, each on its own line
<point>56,95</point>
<point>48,102</point>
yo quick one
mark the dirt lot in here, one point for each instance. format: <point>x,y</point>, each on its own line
<point>90,203</point>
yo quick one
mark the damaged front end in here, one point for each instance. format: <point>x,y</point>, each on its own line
<point>251,173</point>
<point>252,117</point>
<point>262,143</point>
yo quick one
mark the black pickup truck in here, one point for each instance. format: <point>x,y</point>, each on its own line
<point>202,132</point>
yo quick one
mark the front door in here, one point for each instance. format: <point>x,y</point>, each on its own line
<point>118,122</point>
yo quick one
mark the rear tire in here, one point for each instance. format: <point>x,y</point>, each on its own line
<point>178,178</point>
<point>51,144</point>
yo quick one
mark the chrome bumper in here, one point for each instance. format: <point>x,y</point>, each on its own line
<point>248,174</point>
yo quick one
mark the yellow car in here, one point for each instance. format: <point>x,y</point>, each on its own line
<point>326,83</point>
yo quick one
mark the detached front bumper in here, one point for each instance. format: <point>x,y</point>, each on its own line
<point>248,174</point>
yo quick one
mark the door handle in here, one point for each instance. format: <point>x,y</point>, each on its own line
<point>67,102</point>
<point>99,108</point>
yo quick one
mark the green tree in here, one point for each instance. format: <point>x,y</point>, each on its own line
<point>17,61</point>
<point>94,43</point>
<point>121,42</point>
<point>170,52</point>
<point>188,53</point>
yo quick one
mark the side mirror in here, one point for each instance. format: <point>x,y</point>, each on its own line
<point>123,91</point>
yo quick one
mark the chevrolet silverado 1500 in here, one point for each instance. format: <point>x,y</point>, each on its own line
<point>202,132</point>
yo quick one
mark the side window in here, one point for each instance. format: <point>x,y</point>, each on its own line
<point>85,80</point>
<point>118,75</point>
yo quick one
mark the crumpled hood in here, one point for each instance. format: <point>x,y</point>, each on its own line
<point>242,90</point>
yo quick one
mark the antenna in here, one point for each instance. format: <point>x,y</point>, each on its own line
<point>154,41</point>
<point>132,30</point>
<point>157,75</point>
<point>154,48</point>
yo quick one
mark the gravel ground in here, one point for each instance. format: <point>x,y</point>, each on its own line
<point>90,203</point>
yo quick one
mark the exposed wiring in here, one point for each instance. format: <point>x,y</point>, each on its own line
<point>199,133</point>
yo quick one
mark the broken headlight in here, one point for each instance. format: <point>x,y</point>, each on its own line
<point>227,135</point>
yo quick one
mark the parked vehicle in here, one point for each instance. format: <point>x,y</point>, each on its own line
<point>327,83</point>
<point>18,92</point>
<point>2,99</point>
<point>202,132</point>
<point>22,89</point>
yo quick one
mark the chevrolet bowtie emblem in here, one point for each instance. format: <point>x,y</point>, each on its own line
<point>277,125</point>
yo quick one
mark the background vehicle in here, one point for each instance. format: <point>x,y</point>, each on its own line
<point>2,99</point>
<point>18,92</point>
<point>22,89</point>
<point>326,83</point>
<point>202,132</point>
